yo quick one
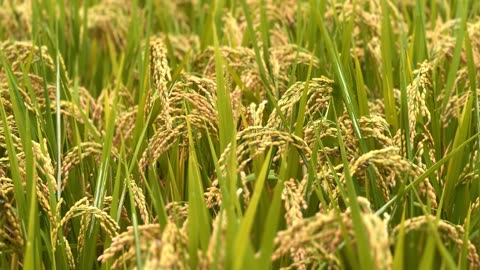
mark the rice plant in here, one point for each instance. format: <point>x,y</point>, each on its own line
<point>239,134</point>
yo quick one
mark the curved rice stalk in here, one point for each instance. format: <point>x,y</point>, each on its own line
<point>318,97</point>
<point>79,153</point>
<point>15,19</point>
<point>108,21</point>
<point>319,239</point>
<point>448,232</point>
<point>165,248</point>
<point>82,208</point>
<point>252,142</point>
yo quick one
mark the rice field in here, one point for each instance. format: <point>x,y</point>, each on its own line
<point>239,134</point>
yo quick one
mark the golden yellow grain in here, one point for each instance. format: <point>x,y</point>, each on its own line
<point>169,254</point>
<point>441,41</point>
<point>148,232</point>
<point>260,138</point>
<point>278,37</point>
<point>252,142</point>
<point>476,205</point>
<point>70,259</point>
<point>11,231</point>
<point>159,144</point>
<point>108,22</point>
<point>177,212</point>
<point>79,153</point>
<point>124,260</point>
<point>82,208</point>
<point>320,237</point>
<point>44,171</point>
<point>15,19</point>
<point>241,59</point>
<point>84,223</point>
<point>18,53</point>
<point>216,250</point>
<point>311,232</point>
<point>6,185</point>
<point>284,12</point>
<point>167,248</point>
<point>453,107</point>
<point>416,97</point>
<point>377,230</point>
<point>199,95</point>
<point>154,255</point>
<point>294,202</point>
<point>367,16</point>
<point>283,57</point>
<point>213,195</point>
<point>232,30</point>
<point>160,73</point>
<point>447,231</point>
<point>318,96</point>
<point>244,190</point>
<point>139,198</point>
<point>390,168</point>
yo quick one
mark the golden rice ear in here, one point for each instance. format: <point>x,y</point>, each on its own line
<point>180,44</point>
<point>447,231</point>
<point>15,19</point>
<point>160,74</point>
<point>86,219</point>
<point>139,198</point>
<point>232,30</point>
<point>124,125</point>
<point>164,248</point>
<point>170,124</point>
<point>317,239</point>
<point>318,95</point>
<point>11,233</point>
<point>161,142</point>
<point>108,21</point>
<point>367,16</point>
<point>240,59</point>
<point>284,56</point>
<point>416,93</point>
<point>68,250</point>
<point>293,195</point>
<point>283,13</point>
<point>44,93</point>
<point>251,142</point>
<point>261,138</point>
<point>79,153</point>
<point>83,208</point>
<point>159,67</point>
<point>450,115</point>
<point>18,53</point>
<point>390,168</point>
<point>177,212</point>
<point>441,42</point>
<point>216,251</point>
<point>164,139</point>
<point>43,172</point>
<point>213,195</point>
<point>476,205</point>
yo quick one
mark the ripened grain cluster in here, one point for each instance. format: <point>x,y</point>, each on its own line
<point>236,134</point>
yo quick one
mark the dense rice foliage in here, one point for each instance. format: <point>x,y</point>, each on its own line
<point>239,134</point>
